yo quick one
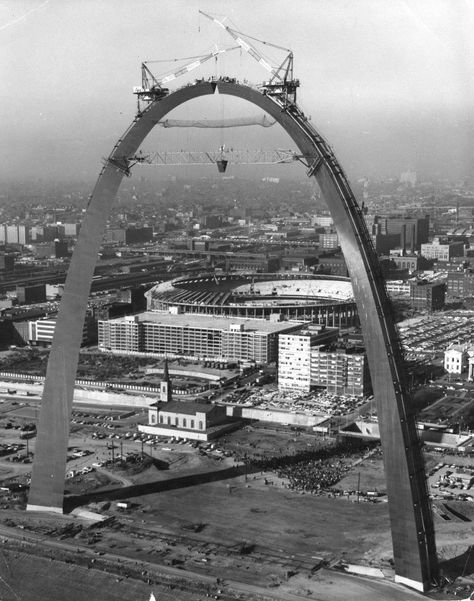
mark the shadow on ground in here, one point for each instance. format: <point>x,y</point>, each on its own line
<point>461,565</point>
<point>148,488</point>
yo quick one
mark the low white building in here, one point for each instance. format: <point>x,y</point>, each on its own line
<point>188,420</point>
<point>456,358</point>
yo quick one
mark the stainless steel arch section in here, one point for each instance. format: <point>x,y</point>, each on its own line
<point>410,513</point>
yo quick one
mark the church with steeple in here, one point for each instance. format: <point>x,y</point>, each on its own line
<point>165,386</point>
<point>188,420</point>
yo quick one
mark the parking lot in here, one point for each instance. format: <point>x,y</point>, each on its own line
<point>430,335</point>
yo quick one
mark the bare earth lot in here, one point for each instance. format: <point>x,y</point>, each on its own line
<point>203,518</point>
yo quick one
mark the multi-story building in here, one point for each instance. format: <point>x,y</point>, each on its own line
<point>294,354</point>
<point>412,231</point>
<point>384,243</point>
<point>328,240</point>
<point>252,262</point>
<point>71,229</point>
<point>309,357</point>
<point>51,250</point>
<point>409,262</point>
<point>196,336</point>
<point>16,234</point>
<point>461,283</point>
<point>7,262</point>
<point>427,296</point>
<point>129,235</point>
<point>28,295</point>
<point>41,331</point>
<point>296,262</point>
<point>322,220</point>
<point>335,265</point>
<point>442,251</point>
<point>398,287</point>
<point>340,370</point>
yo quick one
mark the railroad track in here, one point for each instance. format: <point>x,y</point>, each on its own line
<point>257,553</point>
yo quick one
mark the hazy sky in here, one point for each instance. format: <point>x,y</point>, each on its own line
<point>388,82</point>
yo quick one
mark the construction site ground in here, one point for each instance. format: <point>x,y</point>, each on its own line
<point>203,525</point>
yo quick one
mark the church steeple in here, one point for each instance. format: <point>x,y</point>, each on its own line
<point>165,388</point>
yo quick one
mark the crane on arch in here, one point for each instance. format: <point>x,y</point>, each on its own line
<point>153,88</point>
<point>282,82</point>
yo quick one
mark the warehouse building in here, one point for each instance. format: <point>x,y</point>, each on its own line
<point>442,251</point>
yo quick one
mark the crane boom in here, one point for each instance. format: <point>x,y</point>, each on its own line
<point>152,87</point>
<point>281,83</point>
<point>194,65</point>
<point>243,44</point>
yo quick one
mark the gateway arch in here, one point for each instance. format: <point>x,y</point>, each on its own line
<point>409,506</point>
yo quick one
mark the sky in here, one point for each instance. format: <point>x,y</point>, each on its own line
<point>389,83</point>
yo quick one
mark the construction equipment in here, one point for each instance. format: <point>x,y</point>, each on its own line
<point>282,81</point>
<point>224,155</point>
<point>153,88</point>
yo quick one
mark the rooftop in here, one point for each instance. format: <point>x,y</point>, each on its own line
<point>212,322</point>
<point>184,407</point>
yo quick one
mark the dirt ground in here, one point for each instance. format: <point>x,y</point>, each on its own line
<point>201,514</point>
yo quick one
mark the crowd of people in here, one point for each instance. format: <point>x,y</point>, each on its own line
<point>315,470</point>
<point>314,476</point>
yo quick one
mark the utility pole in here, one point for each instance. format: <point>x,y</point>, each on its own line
<point>358,487</point>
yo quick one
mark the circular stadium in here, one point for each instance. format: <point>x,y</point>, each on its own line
<point>306,297</point>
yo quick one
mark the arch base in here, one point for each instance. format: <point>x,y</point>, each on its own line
<point>47,509</point>
<point>414,584</point>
